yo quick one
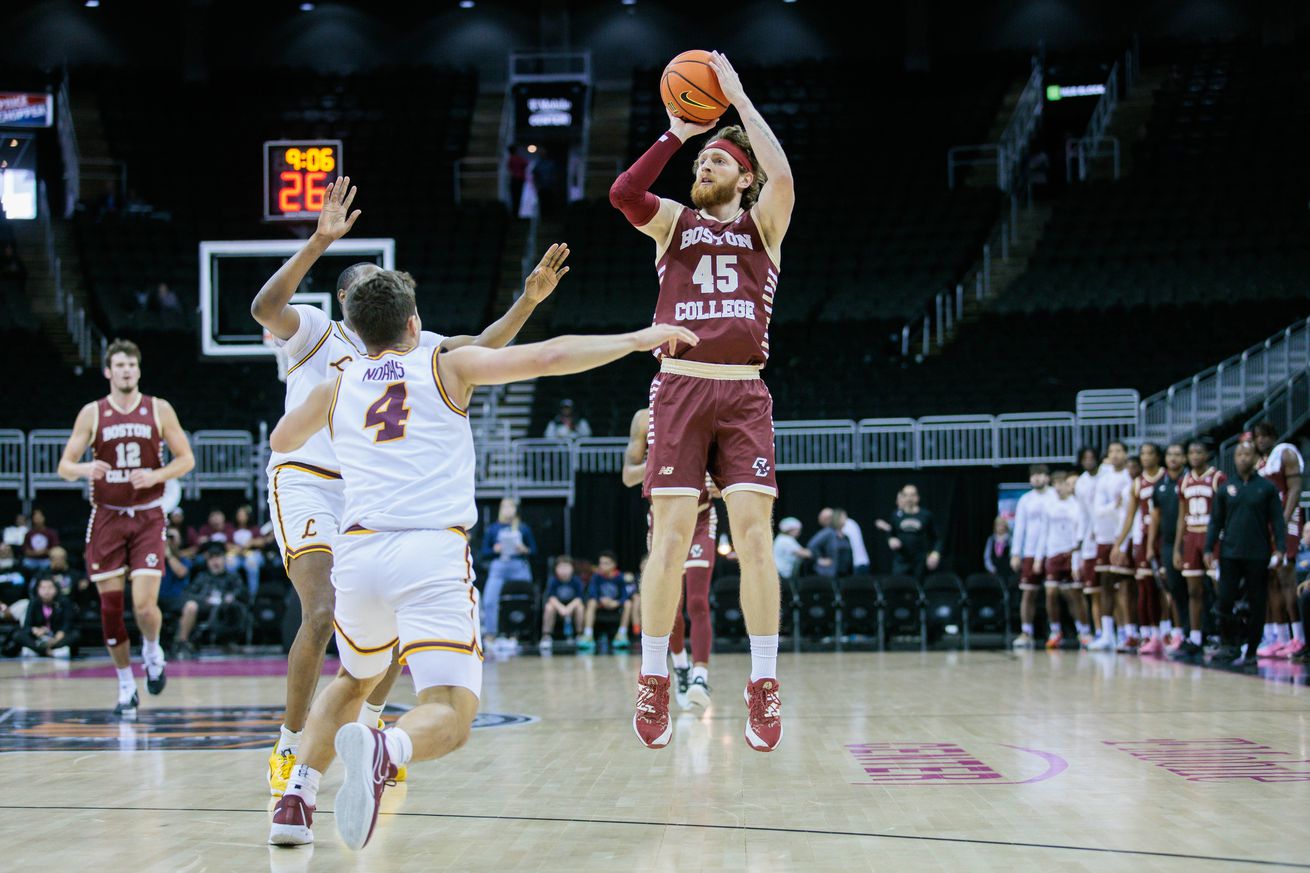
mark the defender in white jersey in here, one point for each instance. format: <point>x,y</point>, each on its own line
<point>1109,506</point>
<point>397,421</point>
<point>1026,550</point>
<point>305,489</point>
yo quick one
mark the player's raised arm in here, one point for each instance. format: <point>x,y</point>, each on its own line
<point>778,196</point>
<point>71,465</point>
<point>537,287</point>
<point>272,305</point>
<point>634,456</point>
<point>465,368</point>
<point>630,193</point>
<point>307,419</point>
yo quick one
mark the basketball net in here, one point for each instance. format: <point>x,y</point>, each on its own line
<point>279,352</point>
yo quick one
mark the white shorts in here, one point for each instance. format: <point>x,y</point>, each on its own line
<point>415,588</point>
<point>306,503</point>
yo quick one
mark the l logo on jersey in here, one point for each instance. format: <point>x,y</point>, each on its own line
<point>309,529</point>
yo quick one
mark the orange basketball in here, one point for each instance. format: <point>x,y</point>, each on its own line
<point>690,89</point>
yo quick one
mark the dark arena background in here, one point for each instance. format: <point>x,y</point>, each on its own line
<point>1021,229</point>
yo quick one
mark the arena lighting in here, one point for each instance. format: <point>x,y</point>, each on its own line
<point>92,4</point>
<point>466,4</point>
<point>1059,92</point>
<point>306,7</point>
<point>532,150</point>
<point>628,2</point>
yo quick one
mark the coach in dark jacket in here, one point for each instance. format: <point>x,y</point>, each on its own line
<point>1247,519</point>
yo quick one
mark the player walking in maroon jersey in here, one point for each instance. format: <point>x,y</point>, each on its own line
<point>125,536</point>
<point>718,267</point>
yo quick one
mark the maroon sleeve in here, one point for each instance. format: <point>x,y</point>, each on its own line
<point>630,193</point>
<point>53,535</point>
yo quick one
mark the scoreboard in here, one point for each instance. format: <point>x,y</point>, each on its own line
<point>296,176</point>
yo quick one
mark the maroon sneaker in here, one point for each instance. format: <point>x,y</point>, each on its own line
<point>764,715</point>
<point>363,753</point>
<point>651,721</point>
<point>292,820</point>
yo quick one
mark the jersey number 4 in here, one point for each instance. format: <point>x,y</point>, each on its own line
<point>716,273</point>
<point>388,414</point>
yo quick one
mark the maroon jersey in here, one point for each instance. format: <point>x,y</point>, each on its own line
<point>127,441</point>
<point>1196,494</point>
<point>717,280</point>
<point>1145,492</point>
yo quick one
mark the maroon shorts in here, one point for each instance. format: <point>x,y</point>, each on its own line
<point>703,542</point>
<point>1293,544</point>
<point>1088,579</point>
<point>697,424</point>
<point>1193,553</point>
<point>1059,569</point>
<point>1029,579</point>
<point>1143,561</point>
<point>117,542</point>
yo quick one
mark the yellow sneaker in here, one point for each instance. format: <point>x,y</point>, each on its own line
<point>279,771</point>
<point>402,771</point>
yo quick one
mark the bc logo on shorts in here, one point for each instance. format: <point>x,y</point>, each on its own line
<point>761,467</point>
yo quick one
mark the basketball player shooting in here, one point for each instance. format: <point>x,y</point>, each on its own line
<point>125,536</point>
<point>718,266</point>
<point>398,423</point>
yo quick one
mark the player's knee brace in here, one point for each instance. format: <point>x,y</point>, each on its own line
<point>111,617</point>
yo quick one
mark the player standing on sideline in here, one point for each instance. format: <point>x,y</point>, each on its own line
<point>1067,525</point>
<point>718,268</point>
<point>693,679</point>
<point>1109,505</point>
<point>397,421</point>
<point>1089,459</point>
<point>125,535</point>
<point>305,487</point>
<point>1146,606</point>
<point>1281,464</point>
<point>1026,550</point>
<point>1164,527</point>
<point>1196,494</point>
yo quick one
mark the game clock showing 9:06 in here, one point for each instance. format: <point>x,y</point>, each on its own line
<point>296,176</point>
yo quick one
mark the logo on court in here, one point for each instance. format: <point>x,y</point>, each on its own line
<point>918,764</point>
<point>178,728</point>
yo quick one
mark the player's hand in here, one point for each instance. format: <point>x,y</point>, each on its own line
<point>1015,563</point>
<point>143,479</point>
<point>683,129</point>
<point>1209,561</point>
<point>933,560</point>
<point>729,81</point>
<point>1117,557</point>
<point>543,280</point>
<point>333,222</point>
<point>1178,561</point>
<point>893,543</point>
<point>883,526</point>
<point>96,470</point>
<point>658,334</point>
<point>1037,565</point>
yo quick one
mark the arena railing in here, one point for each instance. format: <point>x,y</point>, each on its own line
<point>225,459</point>
<point>1288,409</point>
<point>13,462</point>
<point>44,449</point>
<point>1215,395</point>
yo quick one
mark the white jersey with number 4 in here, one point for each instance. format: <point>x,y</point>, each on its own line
<point>319,350</point>
<point>404,446</point>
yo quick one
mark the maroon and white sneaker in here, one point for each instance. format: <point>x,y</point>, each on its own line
<point>651,721</point>
<point>763,715</point>
<point>292,820</point>
<point>363,752</point>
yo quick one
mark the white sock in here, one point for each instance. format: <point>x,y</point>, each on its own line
<point>1270,633</point>
<point>1283,633</point>
<point>655,655</point>
<point>369,714</point>
<point>399,746</point>
<point>288,741</point>
<point>1132,630</point>
<point>1298,632</point>
<point>126,684</point>
<point>621,633</point>
<point>1083,627</point>
<point>1166,628</point>
<point>700,673</point>
<point>151,653</point>
<point>586,633</point>
<point>304,782</point>
<point>1107,627</point>
<point>680,660</point>
<point>1027,628</point>
<point>764,657</point>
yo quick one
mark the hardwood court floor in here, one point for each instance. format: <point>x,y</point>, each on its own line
<point>1069,762</point>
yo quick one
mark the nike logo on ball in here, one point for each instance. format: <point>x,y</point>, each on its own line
<point>685,97</point>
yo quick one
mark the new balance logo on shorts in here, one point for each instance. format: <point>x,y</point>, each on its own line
<point>761,468</point>
<point>666,471</point>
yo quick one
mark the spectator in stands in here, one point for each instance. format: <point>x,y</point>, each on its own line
<point>10,266</point>
<point>565,425</point>
<point>855,534</point>
<point>50,627</point>
<point>548,179</point>
<point>607,599</point>
<point>38,543</point>
<point>517,166</point>
<point>177,569</point>
<point>16,533</point>
<point>249,543</point>
<point>996,554</point>
<point>13,584</point>
<point>830,546</point>
<point>787,550</point>
<point>215,530</point>
<point>1303,561</point>
<point>219,592</point>
<point>166,300</point>
<point>507,544</point>
<point>564,597</point>
<point>59,570</point>
<point>912,536</point>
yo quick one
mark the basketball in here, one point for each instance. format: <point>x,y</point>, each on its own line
<point>690,89</point>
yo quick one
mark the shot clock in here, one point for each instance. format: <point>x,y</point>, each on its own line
<point>296,176</point>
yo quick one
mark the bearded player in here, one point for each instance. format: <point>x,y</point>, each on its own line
<point>718,267</point>
<point>693,679</point>
<point>125,535</point>
<point>306,492</point>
